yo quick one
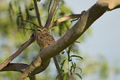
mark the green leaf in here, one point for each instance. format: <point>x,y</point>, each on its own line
<point>77,56</point>
<point>62,52</point>
<point>73,67</point>
<point>77,74</point>
<point>62,64</point>
<point>68,52</point>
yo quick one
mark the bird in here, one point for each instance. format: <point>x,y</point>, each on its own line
<point>43,37</point>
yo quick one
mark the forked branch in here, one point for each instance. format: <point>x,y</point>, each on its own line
<point>23,47</point>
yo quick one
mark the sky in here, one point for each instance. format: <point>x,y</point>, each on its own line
<point>105,32</point>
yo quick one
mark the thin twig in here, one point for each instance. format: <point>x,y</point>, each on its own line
<point>31,23</point>
<point>49,6</point>
<point>58,68</point>
<point>51,14</point>
<point>65,19</point>
<point>37,13</point>
<point>9,59</point>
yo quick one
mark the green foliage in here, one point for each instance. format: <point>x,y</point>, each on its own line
<point>69,65</point>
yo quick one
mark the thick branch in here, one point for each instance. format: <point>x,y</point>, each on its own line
<point>112,4</point>
<point>87,18</point>
<point>51,14</point>
<point>23,47</point>
<point>37,13</point>
<point>32,70</point>
<point>75,32</point>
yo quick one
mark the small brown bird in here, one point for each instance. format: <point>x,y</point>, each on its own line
<point>43,37</point>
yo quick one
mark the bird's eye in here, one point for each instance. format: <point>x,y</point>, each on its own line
<point>38,29</point>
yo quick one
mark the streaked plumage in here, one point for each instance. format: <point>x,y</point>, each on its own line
<point>43,37</point>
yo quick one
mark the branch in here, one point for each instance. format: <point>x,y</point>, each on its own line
<point>51,14</point>
<point>65,40</point>
<point>65,19</point>
<point>43,66</point>
<point>19,67</point>
<point>37,13</point>
<point>31,23</point>
<point>32,77</point>
<point>86,19</point>
<point>58,68</point>
<point>75,32</point>
<point>112,4</point>
<point>30,69</point>
<point>25,45</point>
